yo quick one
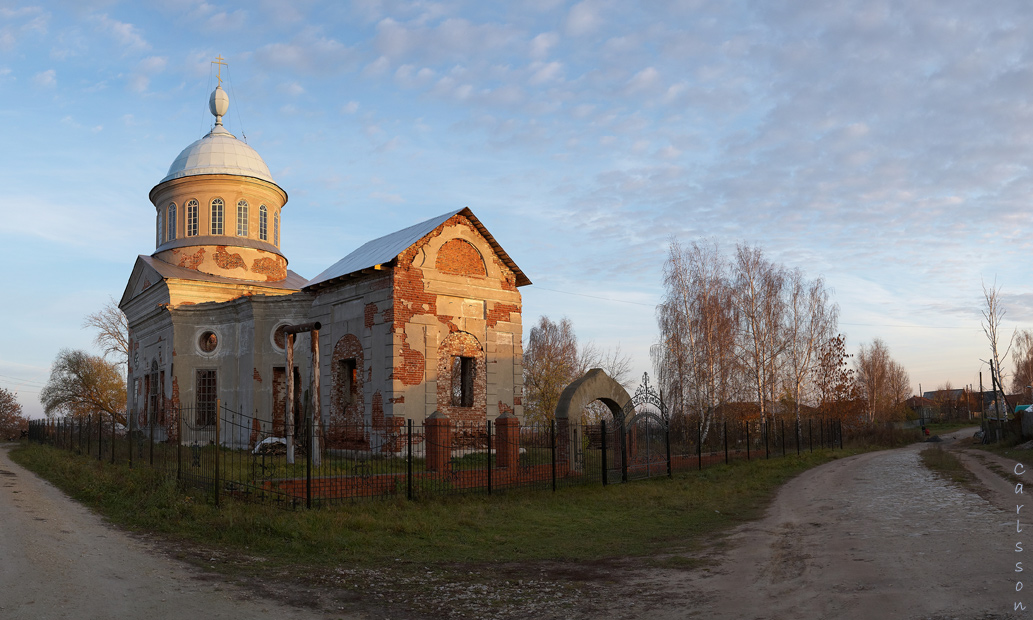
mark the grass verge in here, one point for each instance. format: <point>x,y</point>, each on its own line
<point>660,516</point>
<point>947,466</point>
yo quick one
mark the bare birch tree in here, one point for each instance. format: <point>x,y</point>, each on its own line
<point>1022,361</point>
<point>112,332</point>
<point>811,321</point>
<point>882,382</point>
<point>694,359</point>
<point>761,307</point>
<point>993,315</point>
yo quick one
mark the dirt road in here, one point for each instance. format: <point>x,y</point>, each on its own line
<point>58,560</point>
<point>872,536</point>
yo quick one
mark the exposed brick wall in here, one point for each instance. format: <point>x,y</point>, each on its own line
<point>225,260</point>
<point>345,429</point>
<point>460,258</point>
<point>274,270</point>
<point>189,261</point>
<point>257,376</point>
<point>462,344</point>
<point>502,312</point>
<point>369,315</point>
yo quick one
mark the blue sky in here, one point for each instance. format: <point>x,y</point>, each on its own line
<point>885,146</point>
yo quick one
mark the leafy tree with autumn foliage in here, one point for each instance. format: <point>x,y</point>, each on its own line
<point>553,360</point>
<point>12,421</point>
<point>833,378</point>
<point>882,383</point>
<point>82,385</point>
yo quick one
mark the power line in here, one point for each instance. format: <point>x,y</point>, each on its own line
<point>24,381</point>
<point>619,301</point>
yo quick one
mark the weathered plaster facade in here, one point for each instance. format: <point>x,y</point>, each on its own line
<point>421,320</point>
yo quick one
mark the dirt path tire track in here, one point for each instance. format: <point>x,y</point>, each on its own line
<point>870,536</point>
<point>59,560</point>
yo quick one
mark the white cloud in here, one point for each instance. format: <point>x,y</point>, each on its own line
<point>542,44</point>
<point>309,54</point>
<point>140,79</point>
<point>45,79</point>
<point>292,88</point>
<point>542,73</point>
<point>124,33</point>
<point>583,18</point>
<point>350,108</point>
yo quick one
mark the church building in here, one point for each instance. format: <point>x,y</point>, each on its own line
<point>424,319</point>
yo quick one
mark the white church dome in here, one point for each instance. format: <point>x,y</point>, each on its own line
<point>219,152</point>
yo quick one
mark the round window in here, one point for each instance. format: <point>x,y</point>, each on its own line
<point>208,342</point>
<point>279,337</point>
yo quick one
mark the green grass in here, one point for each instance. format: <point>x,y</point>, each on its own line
<point>584,523</point>
<point>947,466</point>
<point>940,428</point>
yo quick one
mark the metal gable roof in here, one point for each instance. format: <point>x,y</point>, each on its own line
<point>387,248</point>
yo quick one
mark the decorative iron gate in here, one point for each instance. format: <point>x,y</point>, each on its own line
<point>641,437</point>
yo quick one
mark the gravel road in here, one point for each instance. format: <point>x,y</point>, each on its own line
<point>870,536</point>
<point>59,560</point>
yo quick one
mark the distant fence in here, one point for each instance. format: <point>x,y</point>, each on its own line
<point>245,458</point>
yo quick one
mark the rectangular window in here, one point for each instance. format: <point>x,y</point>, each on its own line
<point>347,377</point>
<point>263,216</point>
<point>462,381</point>
<point>207,393</point>
<point>276,229</point>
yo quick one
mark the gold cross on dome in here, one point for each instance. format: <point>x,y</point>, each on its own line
<point>219,61</point>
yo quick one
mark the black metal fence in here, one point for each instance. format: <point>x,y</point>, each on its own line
<point>251,459</point>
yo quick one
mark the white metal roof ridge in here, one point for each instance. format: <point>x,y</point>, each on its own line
<point>381,250</point>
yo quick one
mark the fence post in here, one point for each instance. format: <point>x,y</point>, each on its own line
<point>810,434</point>
<point>488,423</point>
<point>308,456</point>
<point>783,421</point>
<point>667,441</point>
<point>624,451</point>
<point>218,423</point>
<point>767,434</point>
<point>799,436</point>
<point>80,436</point>
<point>839,423</point>
<point>408,464</point>
<point>100,438</point>
<point>725,425</point>
<point>602,435</point>
<point>747,440</point>
<point>699,444</point>
<point>112,439</point>
<point>179,444</point>
<point>552,437</point>
<point>150,448</point>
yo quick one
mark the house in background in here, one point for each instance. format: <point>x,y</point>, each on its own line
<point>421,320</point>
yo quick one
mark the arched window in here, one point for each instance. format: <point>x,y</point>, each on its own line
<point>276,229</point>
<point>263,215</point>
<point>217,215</point>
<point>161,229</point>
<point>172,222</point>
<point>192,208</point>
<point>242,223</point>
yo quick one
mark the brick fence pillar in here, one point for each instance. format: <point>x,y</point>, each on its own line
<point>507,439</point>
<point>438,431</point>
